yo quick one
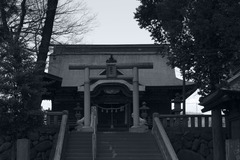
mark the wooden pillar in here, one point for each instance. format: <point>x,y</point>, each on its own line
<point>86,98</point>
<point>217,131</point>
<point>135,98</point>
<point>184,92</point>
<point>126,114</point>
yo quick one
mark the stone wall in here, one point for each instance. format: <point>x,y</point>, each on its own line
<point>42,141</point>
<point>194,144</point>
<point>5,147</point>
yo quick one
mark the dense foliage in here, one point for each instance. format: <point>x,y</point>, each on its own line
<point>203,36</point>
<point>19,77</point>
<point>27,27</point>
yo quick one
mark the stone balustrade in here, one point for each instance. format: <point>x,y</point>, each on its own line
<point>188,121</point>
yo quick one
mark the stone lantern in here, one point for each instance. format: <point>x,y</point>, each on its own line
<point>177,104</point>
<point>78,109</point>
<point>143,110</point>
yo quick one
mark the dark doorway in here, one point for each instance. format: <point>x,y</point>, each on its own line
<point>113,117</point>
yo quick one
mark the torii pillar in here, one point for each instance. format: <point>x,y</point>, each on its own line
<point>87,116</point>
<point>135,98</point>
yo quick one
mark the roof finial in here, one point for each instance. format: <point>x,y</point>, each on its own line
<point>111,59</point>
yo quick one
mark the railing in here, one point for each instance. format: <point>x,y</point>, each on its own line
<point>162,139</point>
<point>61,134</point>
<point>188,121</point>
<point>94,135</point>
<point>53,118</point>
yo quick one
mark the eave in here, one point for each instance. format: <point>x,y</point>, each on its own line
<point>218,98</point>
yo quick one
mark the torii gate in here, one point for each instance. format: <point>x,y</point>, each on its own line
<point>111,70</point>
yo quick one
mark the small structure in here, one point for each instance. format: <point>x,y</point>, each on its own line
<point>225,100</point>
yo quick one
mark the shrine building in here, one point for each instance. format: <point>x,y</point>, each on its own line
<point>124,82</point>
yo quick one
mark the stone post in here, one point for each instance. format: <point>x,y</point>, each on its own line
<point>23,149</point>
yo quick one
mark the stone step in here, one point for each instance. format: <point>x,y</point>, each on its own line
<point>130,158</point>
<point>77,158</point>
<point>131,154</point>
<point>124,146</point>
<point>130,150</point>
<point>80,142</point>
<point>137,142</point>
<point>81,150</point>
<point>132,139</point>
<point>79,146</point>
<point>85,154</point>
<point>75,147</point>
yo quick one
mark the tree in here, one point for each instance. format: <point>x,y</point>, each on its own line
<point>19,82</point>
<point>203,36</point>
<point>27,29</point>
<point>20,75</point>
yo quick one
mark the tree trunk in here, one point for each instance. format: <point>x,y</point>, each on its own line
<point>44,46</point>
<point>47,33</point>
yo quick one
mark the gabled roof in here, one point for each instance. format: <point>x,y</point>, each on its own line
<point>223,95</point>
<point>160,75</point>
<point>109,48</point>
<point>50,77</point>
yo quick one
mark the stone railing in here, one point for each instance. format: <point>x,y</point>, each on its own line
<point>61,136</point>
<point>188,121</point>
<point>162,139</point>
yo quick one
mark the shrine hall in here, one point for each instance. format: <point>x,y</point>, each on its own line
<point>124,82</point>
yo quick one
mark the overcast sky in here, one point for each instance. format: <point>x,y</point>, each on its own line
<point>116,23</point>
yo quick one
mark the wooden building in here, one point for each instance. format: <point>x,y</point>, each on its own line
<point>118,79</point>
<point>226,100</point>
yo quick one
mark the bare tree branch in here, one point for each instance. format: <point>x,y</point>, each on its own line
<point>23,8</point>
<point>4,20</point>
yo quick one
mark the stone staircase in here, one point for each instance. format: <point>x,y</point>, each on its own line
<point>113,145</point>
<point>79,146</point>
<point>127,146</point>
